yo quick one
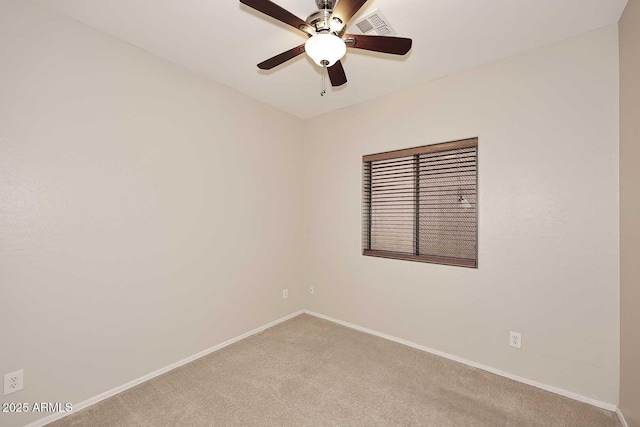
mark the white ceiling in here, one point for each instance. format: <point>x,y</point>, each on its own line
<point>224,40</point>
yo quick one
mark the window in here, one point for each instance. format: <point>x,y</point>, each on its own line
<point>420,204</point>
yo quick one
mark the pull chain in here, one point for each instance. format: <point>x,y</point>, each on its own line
<point>324,90</point>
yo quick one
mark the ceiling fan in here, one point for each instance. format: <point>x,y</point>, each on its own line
<point>327,42</point>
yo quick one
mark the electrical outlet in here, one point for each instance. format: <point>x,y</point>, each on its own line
<point>312,290</point>
<point>515,339</point>
<point>13,382</point>
<point>285,293</point>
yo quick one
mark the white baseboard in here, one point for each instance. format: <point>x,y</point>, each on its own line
<point>93,400</point>
<point>621,418</point>
<point>569,394</point>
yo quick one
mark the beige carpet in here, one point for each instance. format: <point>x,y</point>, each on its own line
<point>310,372</point>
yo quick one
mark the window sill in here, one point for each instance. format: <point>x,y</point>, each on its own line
<point>469,263</point>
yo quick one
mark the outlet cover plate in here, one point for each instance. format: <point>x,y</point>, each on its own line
<point>312,290</point>
<point>515,339</point>
<point>13,382</point>
<point>285,293</point>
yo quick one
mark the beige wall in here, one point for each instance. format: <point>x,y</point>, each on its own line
<point>548,217</point>
<point>146,214</point>
<point>630,213</point>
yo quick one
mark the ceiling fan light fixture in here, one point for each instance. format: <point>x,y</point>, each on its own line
<point>336,25</point>
<point>325,49</point>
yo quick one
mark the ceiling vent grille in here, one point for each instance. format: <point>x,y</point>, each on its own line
<point>372,24</point>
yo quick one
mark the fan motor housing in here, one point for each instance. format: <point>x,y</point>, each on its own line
<point>321,19</point>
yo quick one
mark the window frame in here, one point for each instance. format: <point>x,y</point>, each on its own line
<point>416,151</point>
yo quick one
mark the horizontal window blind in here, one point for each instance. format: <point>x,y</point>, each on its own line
<point>420,204</point>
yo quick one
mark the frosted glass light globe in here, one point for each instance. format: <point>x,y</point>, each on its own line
<point>325,47</point>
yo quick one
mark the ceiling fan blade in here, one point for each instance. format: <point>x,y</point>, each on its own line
<point>385,44</point>
<point>273,10</point>
<point>346,9</point>
<point>337,75</point>
<point>282,58</point>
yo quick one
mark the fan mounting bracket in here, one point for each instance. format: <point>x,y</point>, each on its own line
<point>325,4</point>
